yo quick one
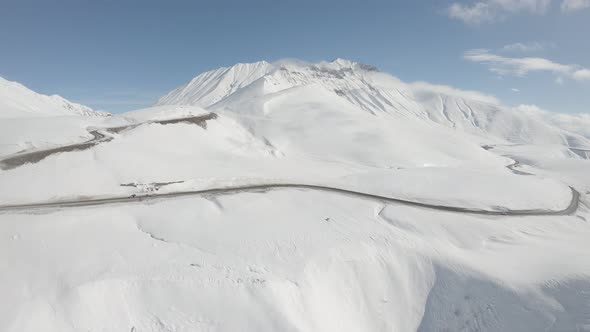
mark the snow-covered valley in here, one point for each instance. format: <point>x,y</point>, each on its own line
<point>294,197</point>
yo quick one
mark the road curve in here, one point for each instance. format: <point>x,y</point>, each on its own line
<point>512,168</point>
<point>35,156</point>
<point>20,159</point>
<point>573,206</point>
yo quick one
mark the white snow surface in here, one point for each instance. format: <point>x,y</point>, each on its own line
<point>423,166</point>
<point>299,259</point>
<point>17,101</point>
<point>274,261</point>
<point>34,133</point>
<point>163,113</point>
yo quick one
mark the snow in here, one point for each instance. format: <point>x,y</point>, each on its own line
<point>479,189</point>
<point>210,87</point>
<point>226,150</point>
<point>270,261</point>
<point>18,101</point>
<point>376,93</point>
<point>163,113</point>
<point>34,133</point>
<point>297,259</point>
<point>552,161</point>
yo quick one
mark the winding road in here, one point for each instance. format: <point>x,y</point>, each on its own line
<point>22,158</point>
<point>513,166</point>
<point>35,156</point>
<point>27,157</point>
<point>570,209</point>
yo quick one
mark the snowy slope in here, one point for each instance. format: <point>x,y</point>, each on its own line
<point>17,101</point>
<point>290,261</point>
<point>378,93</point>
<point>422,168</point>
<point>32,132</point>
<point>298,259</point>
<point>311,120</point>
<point>210,87</point>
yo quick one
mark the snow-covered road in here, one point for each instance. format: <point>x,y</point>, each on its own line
<point>98,137</point>
<point>20,159</point>
<point>570,209</point>
<point>201,120</point>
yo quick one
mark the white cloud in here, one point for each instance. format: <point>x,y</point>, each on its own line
<point>530,6</point>
<point>574,5</point>
<point>448,90</point>
<point>514,66</point>
<point>515,90</point>
<point>476,14</point>
<point>485,11</point>
<point>559,80</point>
<point>488,11</point>
<point>527,47</point>
<point>582,74</point>
<point>574,123</point>
<point>502,65</point>
<point>529,108</point>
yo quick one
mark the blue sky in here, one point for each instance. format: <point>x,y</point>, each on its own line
<point>122,55</point>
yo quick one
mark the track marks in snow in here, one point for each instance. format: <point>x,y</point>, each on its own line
<point>444,111</point>
<point>160,238</point>
<point>151,235</point>
<point>215,201</point>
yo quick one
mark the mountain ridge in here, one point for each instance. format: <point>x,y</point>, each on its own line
<point>16,100</point>
<point>382,94</point>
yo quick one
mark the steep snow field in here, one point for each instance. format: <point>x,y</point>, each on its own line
<point>296,259</point>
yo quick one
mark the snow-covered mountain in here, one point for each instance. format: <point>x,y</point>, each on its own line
<point>295,197</point>
<point>18,101</point>
<point>376,93</point>
<point>213,86</point>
